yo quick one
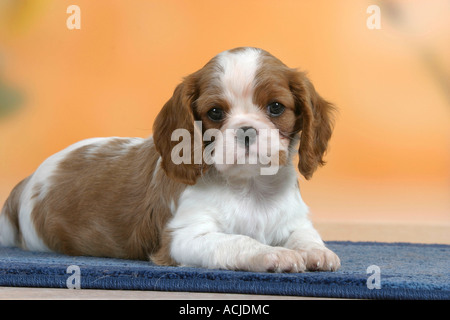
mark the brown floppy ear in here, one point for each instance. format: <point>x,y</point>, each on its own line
<point>178,113</point>
<point>315,120</point>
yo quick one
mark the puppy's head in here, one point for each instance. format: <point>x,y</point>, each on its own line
<point>243,111</point>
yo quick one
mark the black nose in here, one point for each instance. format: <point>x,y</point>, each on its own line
<point>247,128</point>
<point>246,136</point>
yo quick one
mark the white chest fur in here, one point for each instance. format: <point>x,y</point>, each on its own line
<point>266,209</point>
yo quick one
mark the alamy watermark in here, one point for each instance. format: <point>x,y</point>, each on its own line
<point>74,20</point>
<point>374,20</point>
<point>74,280</point>
<point>374,280</point>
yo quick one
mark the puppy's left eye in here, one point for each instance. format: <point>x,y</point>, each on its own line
<point>275,109</point>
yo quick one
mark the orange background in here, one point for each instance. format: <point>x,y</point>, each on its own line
<point>389,159</point>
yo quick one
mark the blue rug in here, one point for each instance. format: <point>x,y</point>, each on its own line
<point>369,271</point>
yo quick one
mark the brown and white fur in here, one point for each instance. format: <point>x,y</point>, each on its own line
<point>126,198</point>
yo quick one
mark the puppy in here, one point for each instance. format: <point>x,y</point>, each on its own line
<point>214,187</point>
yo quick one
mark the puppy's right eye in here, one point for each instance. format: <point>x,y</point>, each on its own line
<point>216,114</point>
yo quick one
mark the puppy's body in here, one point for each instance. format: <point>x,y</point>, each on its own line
<point>125,197</point>
<point>97,197</point>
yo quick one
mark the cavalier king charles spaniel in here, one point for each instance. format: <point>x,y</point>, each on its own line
<point>214,186</point>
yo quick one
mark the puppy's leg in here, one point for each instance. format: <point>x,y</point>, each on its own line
<point>218,250</point>
<point>306,241</point>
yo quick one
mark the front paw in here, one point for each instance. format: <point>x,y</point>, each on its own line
<point>277,259</point>
<point>320,259</point>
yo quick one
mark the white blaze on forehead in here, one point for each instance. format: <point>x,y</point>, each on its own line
<point>239,70</point>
